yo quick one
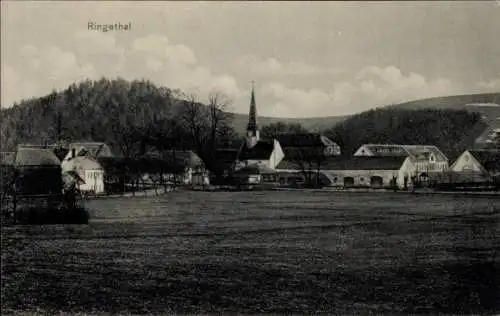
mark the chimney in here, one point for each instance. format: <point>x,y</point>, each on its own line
<point>73,152</point>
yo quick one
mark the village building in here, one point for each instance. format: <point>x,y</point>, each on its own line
<point>427,159</point>
<point>82,159</point>
<point>262,154</point>
<point>184,166</point>
<point>353,172</point>
<point>89,149</point>
<point>308,142</point>
<point>88,169</point>
<point>476,166</point>
<point>38,171</point>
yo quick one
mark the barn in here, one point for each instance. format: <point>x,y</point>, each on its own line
<point>428,159</point>
<point>39,172</point>
<point>355,172</point>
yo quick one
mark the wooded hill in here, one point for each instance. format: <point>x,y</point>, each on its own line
<point>121,113</point>
<point>452,131</point>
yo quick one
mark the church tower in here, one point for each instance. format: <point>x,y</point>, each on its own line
<point>252,128</point>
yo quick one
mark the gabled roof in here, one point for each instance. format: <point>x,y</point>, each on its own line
<point>92,149</point>
<point>36,157</point>
<point>349,163</point>
<point>226,154</point>
<point>417,152</point>
<point>58,149</point>
<point>489,159</point>
<point>262,150</point>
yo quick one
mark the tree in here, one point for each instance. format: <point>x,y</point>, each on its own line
<point>309,161</point>
<point>272,130</point>
<point>206,124</point>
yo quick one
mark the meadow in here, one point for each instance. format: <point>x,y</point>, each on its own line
<point>261,252</point>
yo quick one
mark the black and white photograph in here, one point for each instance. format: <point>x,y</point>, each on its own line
<point>250,157</point>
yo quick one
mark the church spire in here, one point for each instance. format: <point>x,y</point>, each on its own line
<point>252,116</point>
<point>252,129</point>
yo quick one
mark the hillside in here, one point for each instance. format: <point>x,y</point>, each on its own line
<point>450,130</point>
<point>480,103</point>
<point>315,124</point>
<point>487,104</point>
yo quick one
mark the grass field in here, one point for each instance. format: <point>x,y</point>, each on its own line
<point>261,252</point>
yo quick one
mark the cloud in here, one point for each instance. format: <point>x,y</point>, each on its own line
<point>175,66</point>
<point>36,70</point>
<point>371,86</point>
<point>492,85</point>
<point>273,66</point>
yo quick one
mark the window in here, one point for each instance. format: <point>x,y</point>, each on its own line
<point>361,179</point>
<point>335,180</point>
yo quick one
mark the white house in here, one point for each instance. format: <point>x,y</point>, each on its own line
<point>477,165</point>
<point>87,169</point>
<point>426,158</point>
<point>90,149</point>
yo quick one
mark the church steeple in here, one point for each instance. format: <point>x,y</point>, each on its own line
<point>252,116</point>
<point>252,128</point>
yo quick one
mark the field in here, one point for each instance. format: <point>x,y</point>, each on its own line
<point>261,252</point>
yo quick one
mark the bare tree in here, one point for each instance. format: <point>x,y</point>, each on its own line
<point>309,161</point>
<point>206,124</point>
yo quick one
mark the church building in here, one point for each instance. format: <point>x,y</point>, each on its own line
<point>265,154</point>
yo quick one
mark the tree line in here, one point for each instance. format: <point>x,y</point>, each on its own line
<point>134,116</point>
<point>130,116</point>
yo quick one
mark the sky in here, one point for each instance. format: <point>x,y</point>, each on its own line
<point>306,59</point>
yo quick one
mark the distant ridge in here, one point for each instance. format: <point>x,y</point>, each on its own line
<point>484,103</point>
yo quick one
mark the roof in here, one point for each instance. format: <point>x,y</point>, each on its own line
<point>93,149</point>
<point>303,140</point>
<point>36,157</point>
<point>59,150</point>
<point>489,159</point>
<point>227,144</point>
<point>226,154</point>
<point>414,151</point>
<point>262,150</point>
<point>350,163</point>
<point>255,169</point>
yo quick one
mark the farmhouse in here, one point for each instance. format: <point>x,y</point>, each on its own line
<point>256,174</point>
<point>39,172</point>
<point>352,172</point>
<point>183,164</point>
<point>88,169</point>
<point>427,159</point>
<point>254,150</point>
<point>477,165</point>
